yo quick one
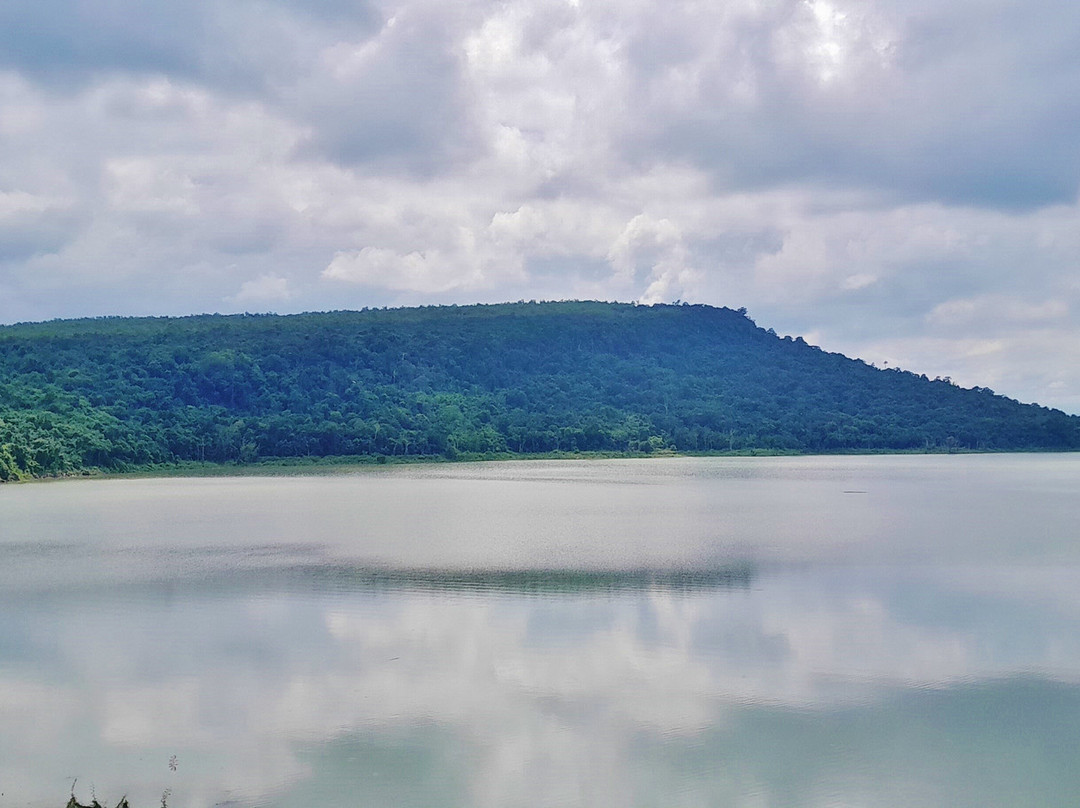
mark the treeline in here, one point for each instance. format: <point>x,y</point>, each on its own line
<point>121,393</point>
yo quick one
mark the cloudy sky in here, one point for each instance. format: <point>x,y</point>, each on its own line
<point>893,179</point>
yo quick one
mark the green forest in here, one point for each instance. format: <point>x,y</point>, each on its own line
<point>118,394</point>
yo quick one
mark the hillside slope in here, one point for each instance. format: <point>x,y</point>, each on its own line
<point>115,393</point>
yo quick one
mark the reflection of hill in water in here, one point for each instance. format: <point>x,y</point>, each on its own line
<point>543,581</point>
<point>94,572</point>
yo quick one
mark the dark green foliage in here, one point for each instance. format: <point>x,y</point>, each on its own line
<point>118,393</point>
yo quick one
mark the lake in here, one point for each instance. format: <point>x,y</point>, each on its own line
<point>759,632</point>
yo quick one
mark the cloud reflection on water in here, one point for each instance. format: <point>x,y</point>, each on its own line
<point>278,695</point>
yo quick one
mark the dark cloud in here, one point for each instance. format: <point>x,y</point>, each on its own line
<point>369,88</point>
<point>53,37</point>
<point>396,99</point>
<point>964,105</point>
<point>34,232</point>
<point>232,44</point>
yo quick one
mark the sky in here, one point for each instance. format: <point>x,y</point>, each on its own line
<point>895,180</point>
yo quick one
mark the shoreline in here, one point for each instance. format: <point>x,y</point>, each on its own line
<point>314,466</point>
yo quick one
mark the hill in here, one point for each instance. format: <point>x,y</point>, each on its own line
<point>118,393</point>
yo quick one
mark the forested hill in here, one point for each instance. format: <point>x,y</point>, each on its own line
<point>118,393</point>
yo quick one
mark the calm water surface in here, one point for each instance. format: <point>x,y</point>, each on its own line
<point>866,631</point>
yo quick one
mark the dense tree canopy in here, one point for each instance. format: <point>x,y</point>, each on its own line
<point>118,393</point>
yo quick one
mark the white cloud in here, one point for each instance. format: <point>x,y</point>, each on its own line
<point>266,287</point>
<point>991,310</point>
<point>414,272</point>
<point>14,203</point>
<point>860,280</point>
